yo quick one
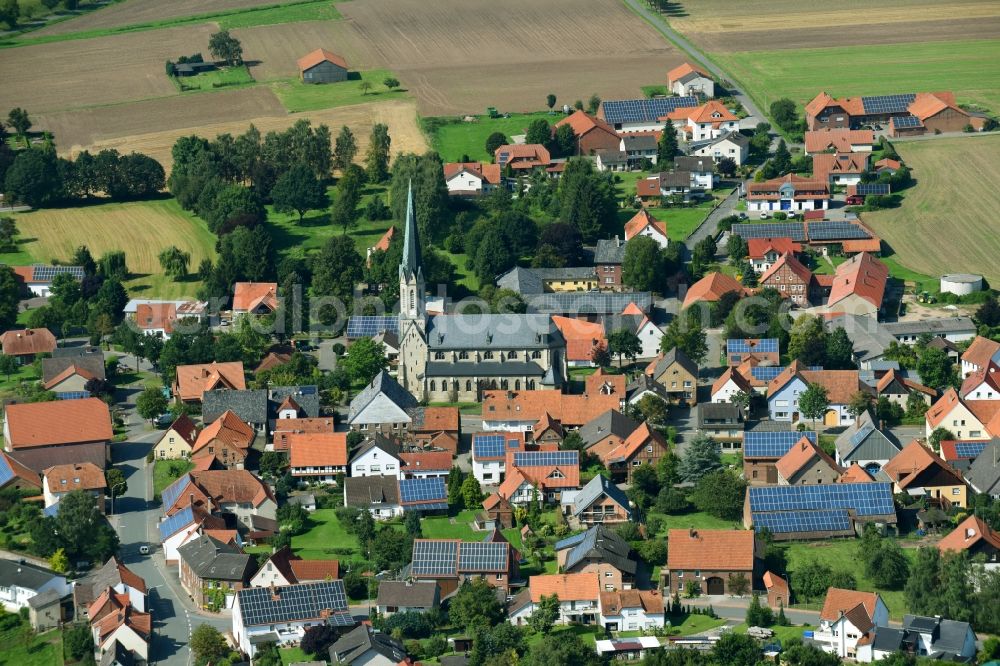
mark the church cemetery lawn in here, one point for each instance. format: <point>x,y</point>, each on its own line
<point>463,407</point>
<point>297,96</point>
<point>452,138</point>
<point>24,649</point>
<point>166,472</point>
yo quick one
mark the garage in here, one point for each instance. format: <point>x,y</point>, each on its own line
<point>715,586</point>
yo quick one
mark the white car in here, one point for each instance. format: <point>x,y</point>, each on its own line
<point>144,549</point>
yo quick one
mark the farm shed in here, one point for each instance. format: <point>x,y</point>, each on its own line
<point>321,66</point>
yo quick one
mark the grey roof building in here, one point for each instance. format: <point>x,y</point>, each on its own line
<point>675,355</point>
<point>306,397</point>
<point>368,492</point>
<point>908,331</point>
<point>609,251</point>
<point>738,138</point>
<point>865,444</point>
<point>611,422</point>
<point>210,559</point>
<point>383,400</point>
<point>407,595</point>
<point>485,331</point>
<point>250,405</point>
<point>366,646</point>
<point>637,389</point>
<point>598,544</point>
<point>90,363</point>
<point>532,280</point>
<point>938,638</point>
<point>597,487</point>
<point>869,338</point>
<point>21,581</point>
<point>984,472</point>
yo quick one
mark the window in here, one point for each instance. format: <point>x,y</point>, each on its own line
<point>680,573</point>
<point>536,354</point>
<point>487,355</point>
<point>499,576</point>
<point>512,354</point>
<point>468,384</point>
<point>649,449</point>
<point>438,356</point>
<point>636,463</point>
<point>433,385</point>
<point>956,491</point>
<point>463,355</point>
<point>608,574</point>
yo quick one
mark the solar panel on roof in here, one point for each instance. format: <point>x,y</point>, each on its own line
<point>883,104</point>
<point>741,346</point>
<point>618,111</point>
<point>434,558</point>
<point>422,490</point>
<point>488,446</point>
<point>265,606</point>
<point>757,444</point>
<point>482,556</point>
<point>906,121</point>
<point>173,491</point>
<point>866,499</point>
<point>827,520</point>
<point>793,230</point>
<point>367,326</point>
<point>872,188</point>
<point>6,473</point>
<point>837,231</point>
<point>970,449</point>
<point>176,522</point>
<point>43,273</point>
<point>765,373</point>
<point>546,458</point>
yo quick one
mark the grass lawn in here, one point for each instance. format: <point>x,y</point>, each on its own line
<point>442,527</point>
<point>220,78</point>
<point>654,91</point>
<point>681,222</point>
<point>24,649</point>
<point>964,67</point>
<point>587,633</point>
<point>695,624</point>
<point>625,189</point>
<point>166,472</point>
<point>695,519</point>
<point>921,282</point>
<point>463,407</point>
<point>297,96</point>
<point>293,656</point>
<point>783,634</point>
<point>325,535</point>
<point>456,138</point>
<point>463,275</point>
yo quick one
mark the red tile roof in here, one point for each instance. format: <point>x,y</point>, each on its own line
<point>758,247</point>
<point>773,581</point>
<point>801,454</point>
<point>317,449</point>
<point>193,380</point>
<point>426,461</point>
<point>840,385</point>
<point>581,337</point>
<point>75,476</point>
<point>712,550</point>
<point>59,422</point>
<point>28,341</point>
<point>712,111</point>
<point>568,587</point>
<point>980,351</point>
<point>524,155</point>
<point>248,296</point>
<point>155,316</point>
<point>855,474</point>
<point>683,70</point>
<point>283,428</point>
<point>887,163</point>
<point>438,419</point>
<point>861,245</point>
<point>711,288</point>
<point>490,173</point>
<point>802,187</point>
<point>385,240</point>
<point>840,601</point>
<point>793,264</point>
<point>641,220</point>
<point>307,570</point>
<point>738,379</point>
<point>613,603</point>
<point>228,429</point>
<point>222,486</point>
<point>862,275</point>
<point>570,410</point>
<point>912,461</point>
<point>583,123</point>
<point>839,140</point>
<point>639,438</point>
<point>969,532</point>
<point>314,58</point>
<point>926,105</point>
<point>19,471</point>
<point>826,165</point>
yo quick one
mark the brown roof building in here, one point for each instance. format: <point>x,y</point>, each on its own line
<point>858,286</point>
<point>255,297</point>
<point>839,141</point>
<point>918,470</point>
<point>711,288</point>
<point>591,133</point>
<point>322,66</point>
<point>44,434</point>
<point>975,537</point>
<point>27,343</point>
<point>807,464</point>
<point>603,392</point>
<point>710,558</point>
<point>16,476</point>
<point>227,440</point>
<point>192,381</point>
<point>522,156</point>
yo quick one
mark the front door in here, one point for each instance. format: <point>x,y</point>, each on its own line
<point>831,418</point>
<point>715,586</point>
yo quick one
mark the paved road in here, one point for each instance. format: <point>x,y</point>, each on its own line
<point>731,608</point>
<point>710,225</point>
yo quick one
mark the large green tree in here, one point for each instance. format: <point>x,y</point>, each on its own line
<point>377,157</point>
<point>298,190</point>
<point>701,456</point>
<point>667,148</point>
<point>720,494</point>
<point>624,343</point>
<point>225,47</point>
<point>686,334</point>
<point>813,402</point>
<point>10,296</point>
<point>337,268</point>
<point>344,149</point>
<point>587,199</point>
<point>365,359</point>
<point>642,267</point>
<point>475,605</point>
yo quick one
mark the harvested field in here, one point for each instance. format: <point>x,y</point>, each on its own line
<point>931,211</point>
<point>399,115</point>
<point>457,57</point>
<point>275,48</point>
<point>132,12</point>
<point>105,70</point>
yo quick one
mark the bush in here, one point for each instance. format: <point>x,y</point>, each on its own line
<point>377,209</point>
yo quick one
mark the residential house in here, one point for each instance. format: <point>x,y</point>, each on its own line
<point>729,384</point>
<point>522,157</point>
<point>840,168</point>
<point>26,344</point>
<point>711,288</point>
<point>156,319</point>
<point>582,339</point>
<point>632,610</point>
<point>764,350</point>
<point>984,472</point>
<point>541,475</point>
<point>708,121</point>
<point>652,189</point>
<point>531,281</point>
<point>727,145</point>
<point>284,567</point>
<point>378,494</point>
<point>839,141</point>
<point>192,381</point>
<point>635,320</point>
<point>979,354</point>
<point>377,457</point>
<point>918,471</point>
<point>940,638</point>
<point>711,560</point>
<point>599,551</point>
<point>639,149</point>
<point>282,614</point>
<point>221,492</point>
<point>592,133</point>
<point>676,373</point>
<point>115,575</point>
<point>762,449</point>
<point>322,66</point>
<point>209,567</point>
<point>38,278</point>
<point>489,454</point>
<point>249,406</point>
<point>961,453</point>
<point>547,433</point>
<point>606,432</point>
<point>187,524</point>
<point>578,594</point>
<point>67,377</point>
<point>807,464</point>
<point>471,178</point>
<point>765,252</point>
<point>177,440</point>
<point>848,615</point>
<point>784,390</point>
<point>686,79</point>
<point>125,630</point>
<point>702,170</point>
<point>791,279</point>
<point>258,298</point>
<point>59,480</point>
<point>858,286</point>
<point>599,502</point>
<point>44,434</point>
<point>497,513</point>
<point>381,407</point>
<point>15,476</point>
<point>450,562</point>
<point>976,538</point>
<point>641,115</point>
<point>790,194</point>
<point>644,224</point>
<point>318,457</point>
<point>20,581</point>
<point>722,422</point>
<point>864,444</point>
<point>226,441</point>
<point>521,410</point>
<point>426,464</point>
<point>897,389</point>
<point>645,446</point>
<point>608,258</point>
<point>819,511</point>
<point>983,384</point>
<point>610,160</point>
<point>364,645</point>
<point>964,419</point>
<point>397,596</point>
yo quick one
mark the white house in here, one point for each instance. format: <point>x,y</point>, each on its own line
<point>784,391</point>
<point>632,610</point>
<point>59,480</point>
<point>702,170</point>
<point>471,178</point>
<point>285,612</point>
<point>708,121</point>
<point>20,581</point>
<point>366,647</point>
<point>687,79</point>
<point>729,384</point>
<point>982,384</point>
<point>378,494</point>
<point>733,145</point>
<point>317,457</point>
<point>379,457</point>
<point>579,598</point>
<point>518,490</point>
<point>979,354</point>
<point>381,406</point>
<point>950,639</point>
<point>644,224</point>
<point>118,577</point>
<point>182,527</point>
<point>489,454</point>
<point>848,615</point>
<point>955,415</point>
<point>129,628</point>
<point>789,194</point>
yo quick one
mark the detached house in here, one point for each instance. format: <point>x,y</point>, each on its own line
<point>840,168</point>
<point>898,388</point>
<point>259,298</point>
<point>471,179</point>
<point>919,472</point>
<point>863,444</point>
<point>790,194</point>
<point>178,440</point>
<point>318,457</point>
<point>599,551</point>
<point>983,475</point>
<point>729,384</point>
<point>644,224</point>
<point>723,423</point>
<point>65,432</point>
<point>632,610</point>
<point>965,419</point>
<point>686,79</point>
<point>606,432</point>
<point>397,596</point>
<point>979,354</point>
<point>522,157</point>
<point>207,564</point>
<point>123,630</point>
<point>847,616</point>
<point>599,502</point>
<point>59,480</point>
<point>712,559</point>
<point>38,278</point>
<point>364,645</point>
<point>976,538</point>
<point>578,594</point>
<point>708,121</point>
<point>20,582</point>
<point>839,141</point>
<point>608,258</point>
<point>784,391</point>
<point>728,145</point>
<point>791,279</point>
<point>68,376</point>
<point>677,374</point>
<point>377,457</point>
<point>764,350</point>
<point>711,288</point>
<point>192,381</point>
<point>450,562</point>
<point>26,344</point>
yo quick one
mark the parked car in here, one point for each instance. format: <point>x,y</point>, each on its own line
<point>144,549</point>
<point>164,420</point>
<point>764,215</point>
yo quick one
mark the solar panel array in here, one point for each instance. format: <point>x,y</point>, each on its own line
<point>881,104</point>
<point>862,434</point>
<point>872,188</point>
<point>836,231</point>
<point>6,473</point>
<point>51,511</point>
<point>792,230</point>
<point>827,520</point>
<point>290,603</point>
<point>588,302</point>
<point>419,491</point>
<point>367,326</point>
<point>176,522</point>
<point>173,491</point>
<point>741,346</point>
<point>474,557</point>
<point>546,458</point>
<point>866,499</point>
<point>758,444</point>
<point>43,273</point>
<point>434,558</point>
<point>644,110</point>
<point>970,449</point>
<point>487,446</point>
<point>906,121</point>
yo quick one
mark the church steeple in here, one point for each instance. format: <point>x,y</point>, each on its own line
<point>410,265</point>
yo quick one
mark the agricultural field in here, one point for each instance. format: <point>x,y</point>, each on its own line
<point>140,229</point>
<point>933,209</point>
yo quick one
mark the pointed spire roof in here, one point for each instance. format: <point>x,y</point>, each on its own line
<point>411,242</point>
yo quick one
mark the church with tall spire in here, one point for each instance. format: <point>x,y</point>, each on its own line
<point>455,357</point>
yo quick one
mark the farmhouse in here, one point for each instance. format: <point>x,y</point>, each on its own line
<point>765,252</point>
<point>321,66</point>
<point>38,278</point>
<point>471,179</point>
<point>318,457</point>
<point>44,434</point>
<point>790,193</point>
<point>641,115</point>
<point>906,114</point>
<point>858,286</point>
<point>839,141</point>
<point>712,559</point>
<point>592,133</point>
<point>220,492</point>
<point>708,121</point>
<point>952,329</point>
<point>225,441</point>
<point>711,288</point>
<point>731,145</point>
<point>818,511</point>
<point>840,168</point>
<point>850,237</point>
<point>687,79</point>
<point>522,157</point>
<point>791,279</point>
<point>530,281</point>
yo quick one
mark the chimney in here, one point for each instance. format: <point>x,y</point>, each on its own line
<point>274,593</point>
<point>969,532</point>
